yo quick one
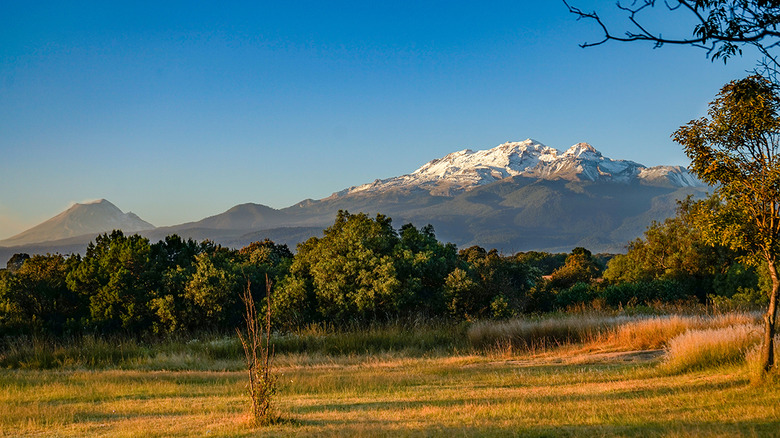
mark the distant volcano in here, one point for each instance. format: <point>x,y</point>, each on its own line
<point>88,218</point>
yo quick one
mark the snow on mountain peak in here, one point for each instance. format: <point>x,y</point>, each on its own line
<point>466,169</point>
<point>583,149</point>
<point>484,166</point>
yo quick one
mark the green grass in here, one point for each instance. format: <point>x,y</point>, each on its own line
<point>393,394</point>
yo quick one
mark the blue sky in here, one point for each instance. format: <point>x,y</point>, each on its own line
<point>181,110</point>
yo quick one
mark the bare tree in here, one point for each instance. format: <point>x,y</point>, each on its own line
<point>258,352</point>
<point>720,27</point>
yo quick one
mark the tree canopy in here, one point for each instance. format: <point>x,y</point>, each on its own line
<point>735,149</point>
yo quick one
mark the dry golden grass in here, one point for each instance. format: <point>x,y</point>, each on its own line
<point>710,347</point>
<point>596,330</point>
<point>540,333</point>
<point>464,395</point>
<point>656,332</point>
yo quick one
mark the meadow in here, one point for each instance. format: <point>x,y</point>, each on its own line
<point>629,376</point>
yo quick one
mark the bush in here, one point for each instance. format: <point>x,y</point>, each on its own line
<point>646,292</point>
<point>580,293</point>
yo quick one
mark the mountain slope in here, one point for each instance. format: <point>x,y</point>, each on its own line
<point>90,218</point>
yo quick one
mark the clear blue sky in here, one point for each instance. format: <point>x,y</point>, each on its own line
<point>181,110</point>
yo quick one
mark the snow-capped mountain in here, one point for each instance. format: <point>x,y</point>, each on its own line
<point>86,218</point>
<point>466,169</point>
<point>516,196</point>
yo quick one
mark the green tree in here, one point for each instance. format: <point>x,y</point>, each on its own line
<point>362,269</point>
<point>488,285</point>
<point>544,261</point>
<point>171,267</point>
<point>115,279</point>
<point>260,259</point>
<point>736,150</point>
<point>350,271</point>
<point>16,261</point>
<point>674,249</point>
<point>213,291</point>
<point>422,264</point>
<point>580,267</point>
<point>37,298</point>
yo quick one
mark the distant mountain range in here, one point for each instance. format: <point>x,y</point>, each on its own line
<point>516,196</point>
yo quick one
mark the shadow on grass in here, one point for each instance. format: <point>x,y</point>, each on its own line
<point>375,427</point>
<point>619,396</point>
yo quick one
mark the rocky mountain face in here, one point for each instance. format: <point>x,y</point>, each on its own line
<point>517,196</point>
<point>467,169</point>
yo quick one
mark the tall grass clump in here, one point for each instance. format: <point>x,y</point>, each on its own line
<point>755,364</point>
<point>615,332</point>
<point>697,349</point>
<point>533,333</point>
<point>258,353</point>
<point>656,332</point>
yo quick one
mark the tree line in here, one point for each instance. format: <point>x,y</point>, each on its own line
<point>361,270</point>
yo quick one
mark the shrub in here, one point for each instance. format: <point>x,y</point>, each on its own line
<point>258,352</point>
<point>580,293</point>
<point>645,292</point>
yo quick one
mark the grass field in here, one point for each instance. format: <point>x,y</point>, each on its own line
<point>688,379</point>
<point>617,394</point>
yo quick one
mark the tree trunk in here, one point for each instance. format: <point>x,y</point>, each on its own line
<point>768,350</point>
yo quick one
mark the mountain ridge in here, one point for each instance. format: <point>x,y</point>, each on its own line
<point>463,170</point>
<point>515,196</point>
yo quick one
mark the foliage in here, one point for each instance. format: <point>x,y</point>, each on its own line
<point>36,296</point>
<point>16,261</point>
<point>362,269</point>
<point>545,262</point>
<point>114,278</point>
<point>737,150</point>
<point>580,267</point>
<point>676,249</point>
<point>644,292</point>
<point>212,292</point>
<point>488,285</point>
<point>578,294</point>
<point>361,272</point>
